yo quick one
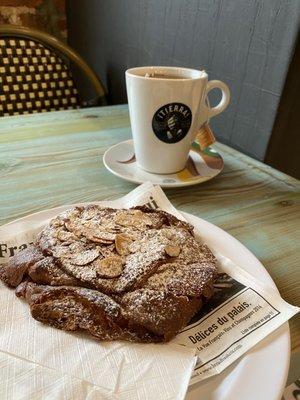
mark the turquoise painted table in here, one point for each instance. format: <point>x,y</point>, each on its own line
<point>55,158</point>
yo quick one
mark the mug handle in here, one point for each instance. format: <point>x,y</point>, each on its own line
<point>209,112</point>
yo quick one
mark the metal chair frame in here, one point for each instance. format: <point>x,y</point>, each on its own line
<point>58,46</point>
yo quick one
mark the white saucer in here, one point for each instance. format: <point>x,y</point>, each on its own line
<point>201,166</point>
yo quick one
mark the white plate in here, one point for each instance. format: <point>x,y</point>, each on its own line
<point>261,373</point>
<point>200,167</point>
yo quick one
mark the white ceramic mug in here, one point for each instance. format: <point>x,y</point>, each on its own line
<point>165,113</point>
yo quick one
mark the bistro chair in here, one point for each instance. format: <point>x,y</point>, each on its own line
<point>35,73</point>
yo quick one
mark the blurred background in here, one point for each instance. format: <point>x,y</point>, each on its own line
<point>249,44</point>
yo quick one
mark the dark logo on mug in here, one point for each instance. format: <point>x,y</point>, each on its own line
<point>172,122</point>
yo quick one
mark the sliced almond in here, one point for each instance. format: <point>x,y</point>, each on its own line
<point>104,235</point>
<point>100,240</point>
<point>61,252</point>
<point>85,257</point>
<point>70,226</point>
<point>75,227</point>
<point>135,218</point>
<point>110,226</point>
<point>56,223</point>
<point>67,243</point>
<point>88,213</point>
<point>172,251</point>
<point>95,235</point>
<point>169,234</point>
<point>123,242</point>
<point>65,235</point>
<point>107,251</point>
<point>113,229</point>
<point>110,267</point>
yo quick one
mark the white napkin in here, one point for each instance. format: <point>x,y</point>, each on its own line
<point>40,362</point>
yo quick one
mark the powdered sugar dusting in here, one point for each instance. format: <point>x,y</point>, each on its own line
<point>141,265</point>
